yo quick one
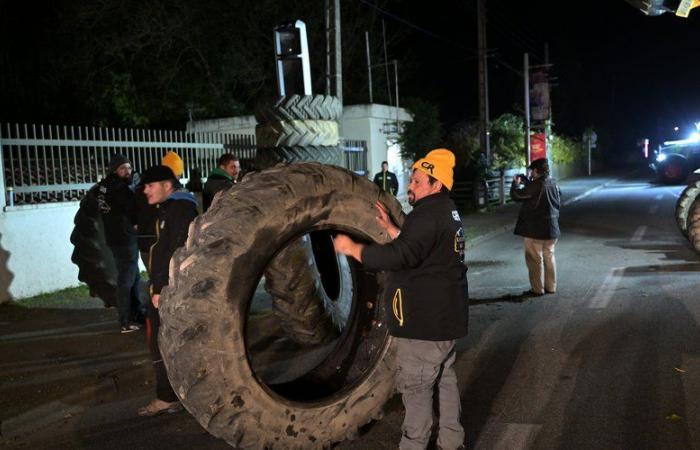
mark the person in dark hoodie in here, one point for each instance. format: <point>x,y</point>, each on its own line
<point>116,200</point>
<point>222,177</point>
<point>175,210</point>
<point>538,224</point>
<point>425,299</point>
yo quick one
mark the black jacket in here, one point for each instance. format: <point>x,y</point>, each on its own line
<point>215,183</point>
<point>116,200</point>
<point>539,213</point>
<point>145,220</point>
<point>426,290</point>
<point>172,224</point>
<point>387,181</point>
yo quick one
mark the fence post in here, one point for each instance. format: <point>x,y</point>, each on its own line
<point>502,189</point>
<point>3,197</point>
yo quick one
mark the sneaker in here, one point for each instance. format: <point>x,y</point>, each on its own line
<point>157,407</point>
<point>130,328</point>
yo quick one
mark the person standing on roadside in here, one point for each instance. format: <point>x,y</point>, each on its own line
<point>222,177</point>
<point>425,299</point>
<point>386,180</point>
<point>116,200</point>
<point>538,224</point>
<point>175,210</point>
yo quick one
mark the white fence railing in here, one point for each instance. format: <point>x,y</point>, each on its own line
<point>45,164</point>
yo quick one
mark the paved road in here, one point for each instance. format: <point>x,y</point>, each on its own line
<point>612,361</point>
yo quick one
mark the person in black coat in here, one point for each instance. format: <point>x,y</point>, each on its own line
<point>538,224</point>
<point>176,208</point>
<point>386,180</point>
<point>222,177</point>
<point>425,298</point>
<point>116,200</point>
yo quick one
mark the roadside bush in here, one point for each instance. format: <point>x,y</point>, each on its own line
<point>565,150</point>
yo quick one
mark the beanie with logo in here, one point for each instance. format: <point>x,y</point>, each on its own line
<point>439,164</point>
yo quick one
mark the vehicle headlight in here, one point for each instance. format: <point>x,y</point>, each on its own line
<point>661,157</point>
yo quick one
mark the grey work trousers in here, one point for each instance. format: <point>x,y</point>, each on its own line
<point>422,366</point>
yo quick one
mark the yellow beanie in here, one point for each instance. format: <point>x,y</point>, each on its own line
<point>172,160</point>
<point>438,163</point>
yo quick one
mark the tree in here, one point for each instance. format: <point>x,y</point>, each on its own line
<point>507,142</point>
<point>422,134</point>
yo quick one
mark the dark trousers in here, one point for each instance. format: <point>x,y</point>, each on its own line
<point>129,304</point>
<point>164,391</point>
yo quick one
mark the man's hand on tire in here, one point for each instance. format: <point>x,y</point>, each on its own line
<point>385,221</point>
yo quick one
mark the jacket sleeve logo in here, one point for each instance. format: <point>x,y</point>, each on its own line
<point>397,306</point>
<point>429,167</point>
<point>460,244</point>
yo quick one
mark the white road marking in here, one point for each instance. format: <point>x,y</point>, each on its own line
<point>639,233</point>
<point>654,209</point>
<point>516,436</point>
<point>605,293</point>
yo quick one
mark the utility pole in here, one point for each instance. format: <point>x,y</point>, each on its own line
<point>369,68</point>
<point>334,69</point>
<point>338,55</point>
<point>386,62</point>
<point>483,81</point>
<point>526,76</point>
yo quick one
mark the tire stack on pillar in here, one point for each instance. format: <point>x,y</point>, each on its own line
<point>688,213</point>
<point>303,128</point>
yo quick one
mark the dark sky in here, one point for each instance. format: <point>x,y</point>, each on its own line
<point>628,75</point>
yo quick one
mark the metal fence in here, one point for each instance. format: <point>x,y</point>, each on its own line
<point>494,192</point>
<point>44,164</point>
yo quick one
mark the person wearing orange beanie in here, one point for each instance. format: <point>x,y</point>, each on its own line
<point>425,298</point>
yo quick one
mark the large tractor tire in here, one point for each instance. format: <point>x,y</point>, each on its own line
<point>311,308</point>
<point>301,107</point>
<point>694,224</point>
<point>300,133</point>
<point>212,281</point>
<point>683,204</point>
<point>96,266</point>
<point>674,170</point>
<point>268,157</point>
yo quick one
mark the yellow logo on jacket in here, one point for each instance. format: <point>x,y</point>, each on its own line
<point>397,306</point>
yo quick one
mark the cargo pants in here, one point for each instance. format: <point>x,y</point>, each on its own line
<point>423,365</point>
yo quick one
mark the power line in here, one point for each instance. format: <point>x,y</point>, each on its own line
<point>414,26</point>
<point>524,32</point>
<point>503,28</point>
<point>439,37</point>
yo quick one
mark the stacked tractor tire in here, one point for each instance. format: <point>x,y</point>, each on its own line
<point>299,128</point>
<point>688,213</point>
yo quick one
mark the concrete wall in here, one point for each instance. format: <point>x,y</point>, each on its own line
<point>36,249</point>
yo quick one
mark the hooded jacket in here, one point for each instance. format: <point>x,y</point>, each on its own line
<point>539,213</point>
<point>173,218</point>
<point>425,296</point>
<point>218,180</point>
